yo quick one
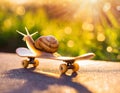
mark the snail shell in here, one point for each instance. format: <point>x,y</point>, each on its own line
<point>47,44</point>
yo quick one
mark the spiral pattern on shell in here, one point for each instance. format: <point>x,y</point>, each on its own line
<point>47,44</point>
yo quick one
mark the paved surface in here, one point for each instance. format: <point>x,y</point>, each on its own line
<point>93,77</point>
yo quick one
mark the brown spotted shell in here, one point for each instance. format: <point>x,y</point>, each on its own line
<point>47,44</point>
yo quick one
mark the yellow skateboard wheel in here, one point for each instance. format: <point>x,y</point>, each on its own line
<point>63,68</point>
<point>25,63</point>
<point>36,63</point>
<point>75,67</point>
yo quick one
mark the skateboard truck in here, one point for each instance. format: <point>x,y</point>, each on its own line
<point>30,60</point>
<point>69,64</point>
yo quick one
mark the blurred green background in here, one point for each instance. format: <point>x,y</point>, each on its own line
<point>80,26</point>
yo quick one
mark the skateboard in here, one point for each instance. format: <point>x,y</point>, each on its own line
<point>69,61</point>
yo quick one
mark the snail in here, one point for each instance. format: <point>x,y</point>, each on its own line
<point>43,43</point>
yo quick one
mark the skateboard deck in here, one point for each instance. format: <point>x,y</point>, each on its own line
<point>25,52</point>
<point>82,57</point>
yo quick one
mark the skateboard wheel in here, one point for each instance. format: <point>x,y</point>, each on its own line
<point>36,63</point>
<point>75,67</point>
<point>63,68</point>
<point>25,63</point>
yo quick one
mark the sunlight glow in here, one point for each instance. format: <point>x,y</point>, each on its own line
<point>106,7</point>
<point>87,26</point>
<point>87,9</point>
<point>18,1</point>
<point>118,8</point>
<point>93,1</point>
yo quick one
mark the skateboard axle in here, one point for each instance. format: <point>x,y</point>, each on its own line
<point>70,65</point>
<point>31,60</point>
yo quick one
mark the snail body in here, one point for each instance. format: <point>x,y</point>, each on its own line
<point>44,43</point>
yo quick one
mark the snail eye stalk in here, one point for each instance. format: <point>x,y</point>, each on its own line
<point>26,32</point>
<point>33,34</point>
<point>21,33</point>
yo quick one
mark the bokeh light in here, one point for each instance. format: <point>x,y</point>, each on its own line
<point>87,26</point>
<point>20,10</point>
<point>109,49</point>
<point>68,30</point>
<point>70,43</point>
<point>7,23</point>
<point>100,37</point>
<point>106,7</point>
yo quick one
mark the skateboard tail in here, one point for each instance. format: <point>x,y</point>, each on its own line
<point>86,56</point>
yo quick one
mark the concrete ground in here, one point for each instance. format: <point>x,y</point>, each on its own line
<point>92,77</point>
